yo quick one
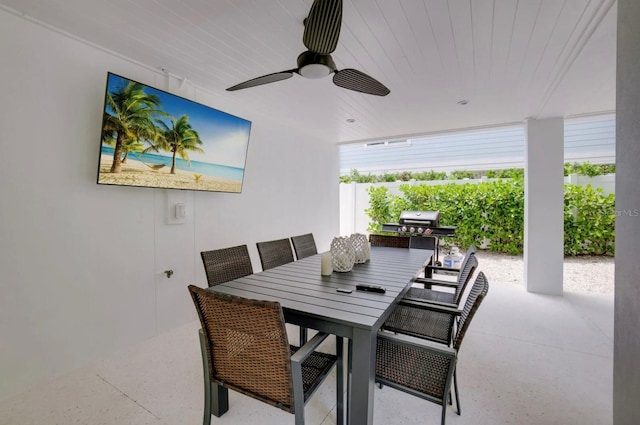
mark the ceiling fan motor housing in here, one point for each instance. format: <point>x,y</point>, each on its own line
<point>315,65</point>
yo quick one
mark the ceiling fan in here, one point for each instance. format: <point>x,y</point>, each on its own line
<point>321,32</point>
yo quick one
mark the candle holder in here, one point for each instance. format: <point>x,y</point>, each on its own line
<point>361,247</point>
<point>343,256</point>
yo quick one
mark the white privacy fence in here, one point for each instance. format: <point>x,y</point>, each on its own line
<point>354,198</point>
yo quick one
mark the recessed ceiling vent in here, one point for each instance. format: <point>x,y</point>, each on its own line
<point>384,144</point>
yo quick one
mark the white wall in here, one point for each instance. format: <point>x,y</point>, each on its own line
<point>606,182</point>
<point>81,264</point>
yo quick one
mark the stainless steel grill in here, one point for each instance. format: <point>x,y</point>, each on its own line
<point>419,223</point>
<point>424,229</point>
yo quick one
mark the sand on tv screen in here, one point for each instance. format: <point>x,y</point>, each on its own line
<point>152,138</point>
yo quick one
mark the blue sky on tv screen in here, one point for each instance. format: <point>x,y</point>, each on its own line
<point>225,137</point>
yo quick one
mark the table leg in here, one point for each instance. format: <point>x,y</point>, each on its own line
<point>340,408</point>
<point>362,377</point>
<point>349,369</point>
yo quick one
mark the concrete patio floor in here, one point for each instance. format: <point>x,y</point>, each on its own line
<point>527,359</point>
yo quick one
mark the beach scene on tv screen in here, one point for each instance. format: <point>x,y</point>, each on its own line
<point>155,139</point>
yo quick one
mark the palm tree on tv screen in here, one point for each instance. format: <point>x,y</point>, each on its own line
<point>131,145</point>
<point>130,117</point>
<point>179,138</point>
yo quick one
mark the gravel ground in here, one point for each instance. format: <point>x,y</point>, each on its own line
<point>581,274</point>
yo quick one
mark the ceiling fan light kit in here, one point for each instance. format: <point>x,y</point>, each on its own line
<point>315,66</point>
<point>321,33</point>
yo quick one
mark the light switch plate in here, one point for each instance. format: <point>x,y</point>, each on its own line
<point>176,207</point>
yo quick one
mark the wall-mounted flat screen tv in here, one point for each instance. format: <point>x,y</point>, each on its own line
<point>152,138</point>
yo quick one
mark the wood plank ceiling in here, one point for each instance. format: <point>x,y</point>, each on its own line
<point>510,59</point>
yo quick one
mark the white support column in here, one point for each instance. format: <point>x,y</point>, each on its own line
<point>544,206</point>
<point>626,340</point>
<point>347,208</point>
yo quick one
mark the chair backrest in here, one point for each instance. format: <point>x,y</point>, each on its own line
<point>304,245</point>
<point>471,250</point>
<point>223,265</point>
<point>247,346</point>
<point>275,253</point>
<point>476,295</point>
<point>469,265</point>
<point>389,241</point>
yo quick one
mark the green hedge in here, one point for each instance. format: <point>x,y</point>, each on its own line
<point>587,169</point>
<point>495,210</point>
<point>584,169</point>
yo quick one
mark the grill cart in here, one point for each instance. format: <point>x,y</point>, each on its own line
<point>424,229</point>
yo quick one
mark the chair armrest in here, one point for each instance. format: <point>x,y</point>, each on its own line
<point>435,282</point>
<point>442,268</point>
<point>430,302</point>
<point>306,350</point>
<point>296,368</point>
<point>432,307</point>
<point>417,343</point>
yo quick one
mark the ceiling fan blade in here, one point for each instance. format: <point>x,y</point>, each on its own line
<point>265,79</point>
<point>353,79</point>
<point>322,26</point>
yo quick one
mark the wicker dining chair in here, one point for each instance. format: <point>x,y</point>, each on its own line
<point>223,265</point>
<point>275,253</point>
<point>245,348</point>
<point>431,268</point>
<point>424,368</point>
<point>389,241</point>
<point>434,322</point>
<point>304,245</point>
<point>429,293</point>
<point>434,316</point>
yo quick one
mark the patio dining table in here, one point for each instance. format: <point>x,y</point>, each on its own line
<point>311,300</point>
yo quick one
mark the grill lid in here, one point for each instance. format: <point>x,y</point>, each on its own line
<point>421,218</point>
